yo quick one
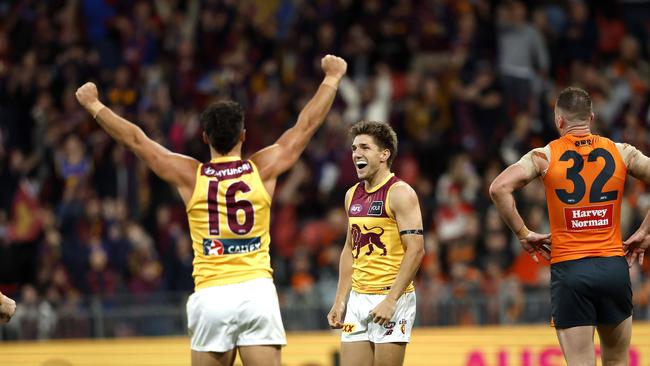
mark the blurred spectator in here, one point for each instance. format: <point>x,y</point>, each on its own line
<point>101,279</point>
<point>523,57</point>
<point>580,34</point>
<point>34,317</point>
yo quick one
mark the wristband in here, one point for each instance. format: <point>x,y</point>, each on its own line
<point>331,81</point>
<point>522,232</point>
<point>95,107</point>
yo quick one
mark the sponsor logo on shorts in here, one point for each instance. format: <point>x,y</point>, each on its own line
<point>402,326</point>
<point>355,209</point>
<point>348,327</point>
<point>589,218</point>
<point>375,209</point>
<point>218,247</point>
<point>389,328</point>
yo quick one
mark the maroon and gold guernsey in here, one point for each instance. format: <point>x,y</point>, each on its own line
<point>229,216</point>
<point>377,249</point>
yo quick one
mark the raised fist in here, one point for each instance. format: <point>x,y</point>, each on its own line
<point>334,66</point>
<point>86,94</point>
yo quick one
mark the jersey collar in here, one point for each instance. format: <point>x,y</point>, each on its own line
<point>222,159</point>
<point>379,185</point>
<point>574,138</point>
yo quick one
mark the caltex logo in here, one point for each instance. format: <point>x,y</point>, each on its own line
<point>216,248</point>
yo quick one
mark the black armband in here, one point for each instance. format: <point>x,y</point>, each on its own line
<point>411,232</point>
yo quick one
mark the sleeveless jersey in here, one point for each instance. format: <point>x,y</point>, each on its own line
<point>377,249</point>
<point>584,187</point>
<point>229,215</point>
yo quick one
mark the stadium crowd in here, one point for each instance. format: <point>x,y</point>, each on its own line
<point>468,85</point>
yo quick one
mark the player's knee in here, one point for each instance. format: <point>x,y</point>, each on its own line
<point>615,358</point>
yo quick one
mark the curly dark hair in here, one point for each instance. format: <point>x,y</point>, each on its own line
<point>223,122</point>
<point>574,103</point>
<point>381,133</point>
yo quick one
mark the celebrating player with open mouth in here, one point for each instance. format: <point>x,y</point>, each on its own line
<point>382,253</point>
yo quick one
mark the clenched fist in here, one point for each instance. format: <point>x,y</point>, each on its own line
<point>87,96</point>
<point>333,66</point>
<point>336,315</point>
<point>7,308</point>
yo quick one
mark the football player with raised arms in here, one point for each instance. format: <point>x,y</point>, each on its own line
<point>235,306</point>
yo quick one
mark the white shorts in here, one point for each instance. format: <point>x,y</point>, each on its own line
<point>358,325</point>
<point>221,318</point>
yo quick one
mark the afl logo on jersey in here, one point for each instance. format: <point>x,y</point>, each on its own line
<point>212,247</point>
<point>355,209</point>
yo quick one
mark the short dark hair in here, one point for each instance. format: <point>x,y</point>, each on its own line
<point>575,104</point>
<point>223,122</point>
<point>382,134</point>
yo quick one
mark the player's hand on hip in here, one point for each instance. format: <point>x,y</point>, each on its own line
<point>636,246</point>
<point>334,66</point>
<point>7,308</point>
<point>335,316</point>
<point>384,311</point>
<point>535,243</point>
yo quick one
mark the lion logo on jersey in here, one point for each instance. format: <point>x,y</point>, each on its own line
<point>368,238</point>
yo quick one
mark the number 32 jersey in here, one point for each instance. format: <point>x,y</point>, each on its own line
<point>229,216</point>
<point>584,188</point>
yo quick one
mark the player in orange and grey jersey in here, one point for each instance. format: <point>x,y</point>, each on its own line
<point>382,253</point>
<point>228,200</point>
<point>584,177</point>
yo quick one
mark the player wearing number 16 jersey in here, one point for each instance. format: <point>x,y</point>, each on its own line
<point>584,177</point>
<point>228,200</point>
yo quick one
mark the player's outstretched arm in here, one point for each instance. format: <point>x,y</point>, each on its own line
<point>177,169</point>
<point>280,157</point>
<point>501,190</point>
<point>403,201</point>
<point>337,314</point>
<point>7,308</point>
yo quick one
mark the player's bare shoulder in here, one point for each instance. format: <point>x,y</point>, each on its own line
<point>402,197</point>
<point>265,159</point>
<point>536,162</point>
<point>348,196</point>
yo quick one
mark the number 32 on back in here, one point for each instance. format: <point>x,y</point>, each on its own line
<point>596,193</point>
